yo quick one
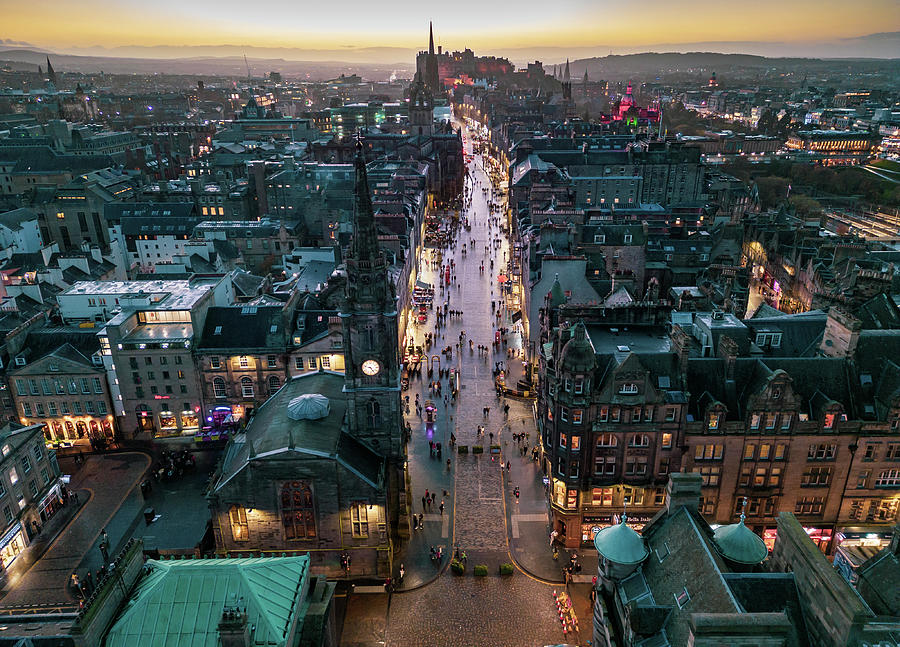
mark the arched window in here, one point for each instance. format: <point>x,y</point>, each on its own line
<point>219,387</point>
<point>246,387</point>
<point>297,512</point>
<point>373,414</point>
<point>607,440</point>
<point>274,384</point>
<point>639,440</point>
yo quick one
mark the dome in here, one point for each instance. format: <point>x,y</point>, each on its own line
<point>578,353</point>
<point>620,544</point>
<point>739,544</point>
<point>310,406</point>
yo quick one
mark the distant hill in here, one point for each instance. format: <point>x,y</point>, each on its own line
<point>229,66</point>
<point>649,64</point>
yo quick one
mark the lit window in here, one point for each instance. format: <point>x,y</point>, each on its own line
<point>240,529</point>
<point>359,520</point>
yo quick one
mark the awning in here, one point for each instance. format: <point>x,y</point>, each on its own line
<point>503,278</point>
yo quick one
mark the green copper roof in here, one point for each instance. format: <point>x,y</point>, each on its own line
<point>557,295</point>
<point>739,544</point>
<point>620,544</point>
<point>180,602</point>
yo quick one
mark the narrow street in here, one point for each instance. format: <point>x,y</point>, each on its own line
<point>450,609</point>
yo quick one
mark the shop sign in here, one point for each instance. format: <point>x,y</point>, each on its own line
<point>10,534</point>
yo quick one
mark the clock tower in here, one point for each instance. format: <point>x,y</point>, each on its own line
<point>371,345</point>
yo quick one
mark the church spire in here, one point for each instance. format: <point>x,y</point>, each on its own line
<point>430,39</point>
<point>51,74</point>
<point>365,237</point>
<point>566,72</point>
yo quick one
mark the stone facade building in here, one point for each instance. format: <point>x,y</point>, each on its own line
<point>30,490</point>
<point>320,467</point>
<point>67,392</point>
<point>621,407</point>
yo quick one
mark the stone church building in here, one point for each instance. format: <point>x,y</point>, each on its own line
<point>320,467</point>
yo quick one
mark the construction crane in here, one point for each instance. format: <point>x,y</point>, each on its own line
<point>248,68</point>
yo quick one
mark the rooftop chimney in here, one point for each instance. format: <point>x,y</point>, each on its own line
<point>234,631</point>
<point>894,546</point>
<point>683,489</point>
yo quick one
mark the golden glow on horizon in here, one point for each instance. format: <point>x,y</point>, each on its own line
<point>582,23</point>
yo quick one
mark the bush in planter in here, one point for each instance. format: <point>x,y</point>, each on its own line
<point>495,449</point>
<point>463,449</point>
<point>507,569</point>
<point>481,570</point>
<point>457,567</point>
<point>477,449</point>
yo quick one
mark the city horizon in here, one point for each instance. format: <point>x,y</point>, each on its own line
<point>387,39</point>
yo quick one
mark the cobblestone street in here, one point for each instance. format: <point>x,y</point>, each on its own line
<point>475,612</point>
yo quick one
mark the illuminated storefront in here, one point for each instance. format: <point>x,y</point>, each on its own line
<point>12,543</point>
<point>821,537</point>
<point>51,503</point>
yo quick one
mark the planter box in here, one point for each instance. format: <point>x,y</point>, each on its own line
<point>507,569</point>
<point>458,567</point>
<point>477,449</point>
<point>481,570</point>
<point>462,449</point>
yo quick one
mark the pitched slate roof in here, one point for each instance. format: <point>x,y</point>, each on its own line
<point>13,219</point>
<point>180,602</point>
<point>271,433</point>
<point>244,327</point>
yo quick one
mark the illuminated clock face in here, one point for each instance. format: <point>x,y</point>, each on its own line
<point>371,367</point>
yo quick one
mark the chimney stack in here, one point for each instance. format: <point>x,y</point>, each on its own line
<point>894,546</point>
<point>683,489</point>
<point>234,631</point>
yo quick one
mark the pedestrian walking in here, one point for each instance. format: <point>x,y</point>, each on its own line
<point>424,499</point>
<point>415,521</point>
<point>433,496</point>
<point>507,467</point>
<point>421,522</point>
<point>441,507</point>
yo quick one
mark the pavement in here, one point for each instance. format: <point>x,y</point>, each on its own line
<point>104,483</point>
<point>432,606</point>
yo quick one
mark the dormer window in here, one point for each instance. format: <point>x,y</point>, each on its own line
<point>600,239</point>
<point>20,361</point>
<point>829,420</point>
<point>579,385</point>
<point>629,388</point>
<point>776,392</point>
<point>628,239</point>
<point>714,420</point>
<point>568,385</point>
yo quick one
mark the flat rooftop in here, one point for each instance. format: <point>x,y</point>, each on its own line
<point>615,339</point>
<point>162,294</point>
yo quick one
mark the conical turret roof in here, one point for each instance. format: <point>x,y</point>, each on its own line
<point>620,544</point>
<point>578,354</point>
<point>739,544</point>
<point>557,294</point>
